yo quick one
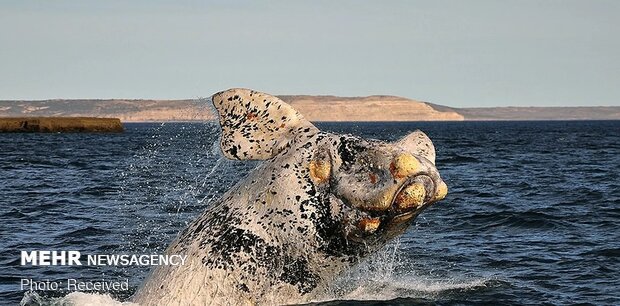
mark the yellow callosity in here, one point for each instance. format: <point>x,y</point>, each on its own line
<point>319,171</point>
<point>369,225</point>
<point>442,191</point>
<point>383,202</point>
<point>411,196</point>
<point>404,165</point>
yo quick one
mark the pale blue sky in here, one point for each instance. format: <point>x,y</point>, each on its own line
<point>456,53</point>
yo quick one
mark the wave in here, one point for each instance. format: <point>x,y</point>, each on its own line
<point>604,252</point>
<point>86,232</point>
<point>514,219</point>
<point>457,159</point>
<point>15,213</point>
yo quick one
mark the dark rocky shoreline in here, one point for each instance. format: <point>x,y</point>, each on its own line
<point>60,125</point>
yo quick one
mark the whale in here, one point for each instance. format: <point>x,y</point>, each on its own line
<point>317,205</point>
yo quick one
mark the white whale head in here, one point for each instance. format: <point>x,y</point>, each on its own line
<point>371,189</point>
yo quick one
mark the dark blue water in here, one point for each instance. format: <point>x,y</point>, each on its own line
<point>532,216</point>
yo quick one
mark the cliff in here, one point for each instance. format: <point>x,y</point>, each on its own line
<point>372,108</point>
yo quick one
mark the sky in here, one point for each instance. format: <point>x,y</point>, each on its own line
<point>474,53</point>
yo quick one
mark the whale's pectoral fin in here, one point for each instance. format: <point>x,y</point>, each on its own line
<point>417,143</point>
<point>256,125</point>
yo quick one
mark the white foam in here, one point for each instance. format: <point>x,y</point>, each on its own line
<point>94,299</point>
<point>408,288</point>
<point>73,299</point>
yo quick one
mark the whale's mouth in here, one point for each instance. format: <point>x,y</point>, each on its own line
<point>409,200</point>
<point>414,194</point>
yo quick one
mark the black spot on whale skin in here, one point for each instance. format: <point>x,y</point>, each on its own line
<point>206,222</point>
<point>329,227</point>
<point>227,241</point>
<point>244,288</point>
<point>296,272</point>
<point>233,151</point>
<point>230,241</point>
<point>336,244</point>
<point>348,150</point>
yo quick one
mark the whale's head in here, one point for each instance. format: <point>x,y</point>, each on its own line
<point>358,192</point>
<point>386,185</point>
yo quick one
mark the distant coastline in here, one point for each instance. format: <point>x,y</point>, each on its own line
<point>315,108</point>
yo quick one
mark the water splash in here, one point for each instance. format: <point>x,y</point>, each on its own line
<point>72,299</point>
<point>390,275</point>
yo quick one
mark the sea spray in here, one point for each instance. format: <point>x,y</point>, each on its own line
<point>389,275</point>
<point>72,299</point>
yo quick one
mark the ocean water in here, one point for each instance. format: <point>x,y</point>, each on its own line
<point>532,216</point>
